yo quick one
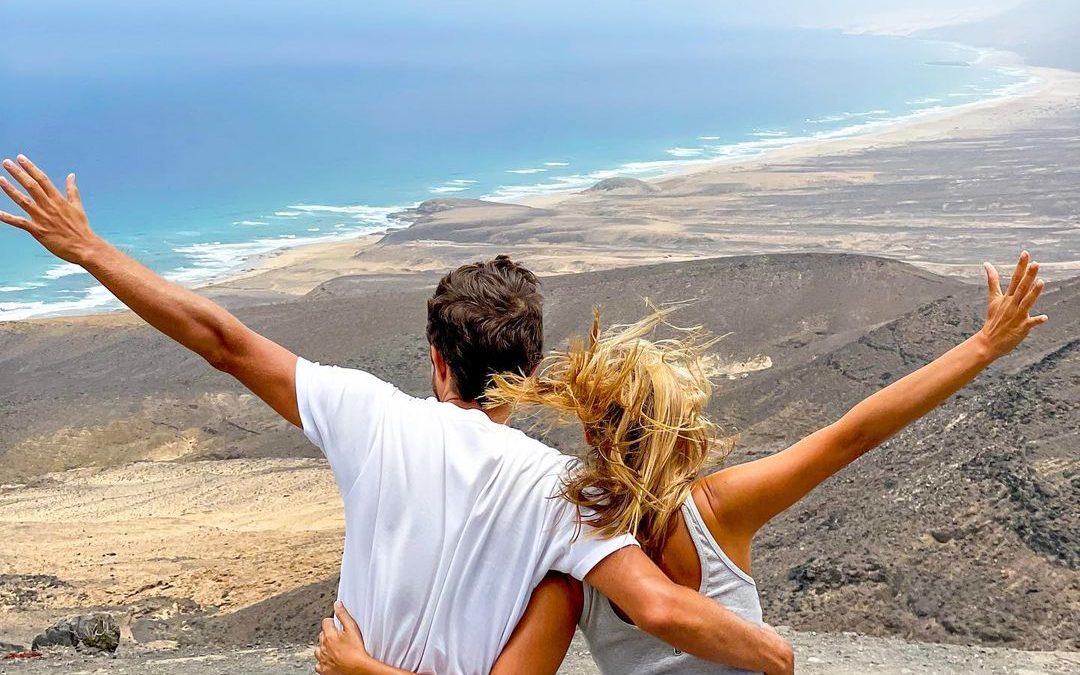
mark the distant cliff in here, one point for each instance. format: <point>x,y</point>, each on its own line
<point>1044,32</point>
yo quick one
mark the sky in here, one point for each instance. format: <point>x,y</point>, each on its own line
<point>855,12</point>
<point>107,26</point>
<point>771,12</point>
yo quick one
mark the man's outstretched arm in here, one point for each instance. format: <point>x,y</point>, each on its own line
<point>685,618</point>
<point>59,223</point>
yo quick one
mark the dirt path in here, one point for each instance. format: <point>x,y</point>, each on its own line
<point>818,654</point>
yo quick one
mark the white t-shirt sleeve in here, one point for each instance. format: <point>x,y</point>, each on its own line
<point>582,554</point>
<point>340,409</point>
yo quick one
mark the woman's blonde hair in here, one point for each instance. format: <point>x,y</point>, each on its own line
<point>642,403</point>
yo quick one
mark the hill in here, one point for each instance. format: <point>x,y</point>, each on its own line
<point>108,390</point>
<point>1044,32</point>
<point>964,528</point>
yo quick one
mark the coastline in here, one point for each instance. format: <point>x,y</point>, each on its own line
<point>296,270</point>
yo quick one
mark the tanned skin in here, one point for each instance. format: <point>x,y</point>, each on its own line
<point>57,220</point>
<point>737,501</point>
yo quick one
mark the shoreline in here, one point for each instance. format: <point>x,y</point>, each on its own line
<point>297,269</point>
<point>920,127</point>
<point>863,130</point>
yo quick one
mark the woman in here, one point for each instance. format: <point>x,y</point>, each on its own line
<point>642,404</point>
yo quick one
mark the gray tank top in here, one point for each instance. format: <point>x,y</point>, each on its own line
<point>620,648</point>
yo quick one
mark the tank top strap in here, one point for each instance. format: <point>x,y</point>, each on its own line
<point>620,648</point>
<point>709,550</point>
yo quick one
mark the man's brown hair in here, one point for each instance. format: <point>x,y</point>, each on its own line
<point>487,318</point>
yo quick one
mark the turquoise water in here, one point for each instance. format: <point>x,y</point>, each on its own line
<point>206,135</point>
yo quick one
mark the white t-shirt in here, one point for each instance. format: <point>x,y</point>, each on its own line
<point>451,520</point>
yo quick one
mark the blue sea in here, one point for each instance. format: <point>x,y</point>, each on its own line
<point>204,134</point>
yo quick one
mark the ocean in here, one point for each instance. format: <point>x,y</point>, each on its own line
<point>205,134</point>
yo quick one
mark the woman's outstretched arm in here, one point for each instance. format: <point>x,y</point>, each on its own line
<point>536,647</point>
<point>747,496</point>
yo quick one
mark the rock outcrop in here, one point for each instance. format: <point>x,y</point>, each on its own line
<point>96,632</point>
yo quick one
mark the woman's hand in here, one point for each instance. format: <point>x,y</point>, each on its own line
<point>1008,319</point>
<point>342,652</point>
<point>746,496</point>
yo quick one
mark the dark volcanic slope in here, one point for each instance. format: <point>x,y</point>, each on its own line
<point>73,394</point>
<point>964,528</point>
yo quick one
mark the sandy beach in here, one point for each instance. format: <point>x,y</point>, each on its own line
<point>844,194</point>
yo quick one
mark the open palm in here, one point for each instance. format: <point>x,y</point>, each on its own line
<point>1008,313</point>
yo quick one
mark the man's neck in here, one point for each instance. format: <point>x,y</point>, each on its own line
<point>499,414</point>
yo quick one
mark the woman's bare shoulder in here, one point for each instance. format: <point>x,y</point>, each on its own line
<point>715,508</point>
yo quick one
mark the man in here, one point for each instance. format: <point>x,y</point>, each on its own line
<point>436,491</point>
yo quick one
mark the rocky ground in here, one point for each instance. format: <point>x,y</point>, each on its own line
<point>977,501</point>
<point>833,654</point>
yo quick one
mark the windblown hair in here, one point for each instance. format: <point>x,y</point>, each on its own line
<point>642,404</point>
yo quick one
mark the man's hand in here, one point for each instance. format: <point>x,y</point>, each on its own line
<point>1008,318</point>
<point>782,647</point>
<point>56,220</point>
